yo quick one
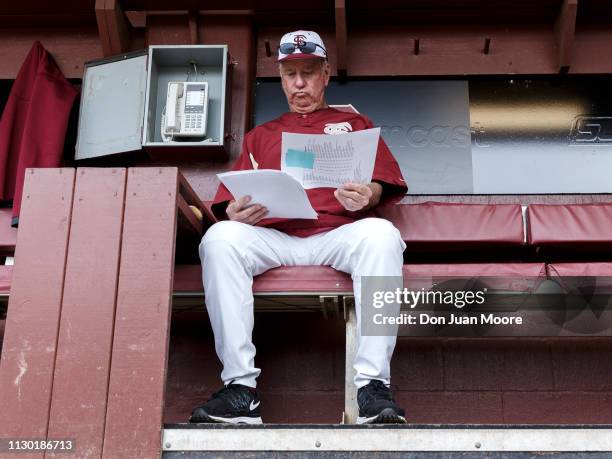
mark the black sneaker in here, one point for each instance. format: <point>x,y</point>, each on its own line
<point>376,405</point>
<point>234,404</point>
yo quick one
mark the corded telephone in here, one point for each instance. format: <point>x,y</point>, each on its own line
<point>186,109</point>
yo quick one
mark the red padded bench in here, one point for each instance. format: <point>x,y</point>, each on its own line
<point>292,280</point>
<point>587,277</point>
<point>570,225</point>
<point>584,230</point>
<point>427,225</point>
<point>321,280</point>
<point>430,224</point>
<point>589,269</point>
<point>442,225</point>
<point>424,225</point>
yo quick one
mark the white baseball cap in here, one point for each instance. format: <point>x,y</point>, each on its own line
<point>301,44</point>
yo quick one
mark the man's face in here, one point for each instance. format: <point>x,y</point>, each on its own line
<point>304,82</point>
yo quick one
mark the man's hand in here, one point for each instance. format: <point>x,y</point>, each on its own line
<point>237,211</point>
<point>355,196</point>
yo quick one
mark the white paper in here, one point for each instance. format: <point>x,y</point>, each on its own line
<point>280,193</point>
<point>322,160</point>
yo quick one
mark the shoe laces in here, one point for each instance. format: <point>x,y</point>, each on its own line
<point>235,394</point>
<point>379,391</point>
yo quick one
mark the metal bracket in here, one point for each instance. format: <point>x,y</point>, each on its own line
<point>350,352</point>
<point>347,302</point>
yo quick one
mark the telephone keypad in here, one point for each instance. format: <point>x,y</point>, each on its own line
<point>193,122</point>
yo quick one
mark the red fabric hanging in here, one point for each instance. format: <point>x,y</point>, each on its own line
<point>34,122</point>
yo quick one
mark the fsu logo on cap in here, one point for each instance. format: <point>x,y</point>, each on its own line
<point>301,44</point>
<point>299,40</point>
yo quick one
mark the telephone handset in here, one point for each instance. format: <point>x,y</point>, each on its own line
<point>186,109</point>
<point>173,105</point>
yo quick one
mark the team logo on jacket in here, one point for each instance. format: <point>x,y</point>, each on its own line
<point>338,128</point>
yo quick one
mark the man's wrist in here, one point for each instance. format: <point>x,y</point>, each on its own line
<point>377,190</point>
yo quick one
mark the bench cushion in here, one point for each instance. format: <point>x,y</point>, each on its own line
<point>592,269</point>
<point>312,280</point>
<point>476,270</point>
<point>439,224</point>
<point>584,278</point>
<point>570,225</point>
<point>515,277</point>
<point>286,279</point>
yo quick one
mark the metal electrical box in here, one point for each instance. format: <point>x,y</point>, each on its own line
<point>125,98</point>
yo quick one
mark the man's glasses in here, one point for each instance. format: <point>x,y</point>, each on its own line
<point>307,48</point>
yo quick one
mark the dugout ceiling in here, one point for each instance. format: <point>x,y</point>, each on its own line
<point>385,38</point>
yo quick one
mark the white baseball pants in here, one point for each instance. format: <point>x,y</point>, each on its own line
<point>232,253</point>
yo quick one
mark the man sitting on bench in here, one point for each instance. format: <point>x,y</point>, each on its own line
<point>345,237</point>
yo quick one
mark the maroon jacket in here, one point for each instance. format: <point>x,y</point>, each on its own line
<point>264,143</point>
<point>33,124</point>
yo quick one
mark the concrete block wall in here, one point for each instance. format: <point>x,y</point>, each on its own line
<point>437,380</point>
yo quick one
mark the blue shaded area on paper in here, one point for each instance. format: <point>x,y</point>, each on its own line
<point>298,158</point>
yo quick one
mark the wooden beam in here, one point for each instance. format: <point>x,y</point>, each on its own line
<point>191,198</point>
<point>103,27</point>
<point>187,219</point>
<point>113,27</point>
<point>341,38</point>
<point>119,27</point>
<point>32,323</point>
<point>565,31</point>
<point>194,38</point>
<point>82,364</point>
<point>142,325</point>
